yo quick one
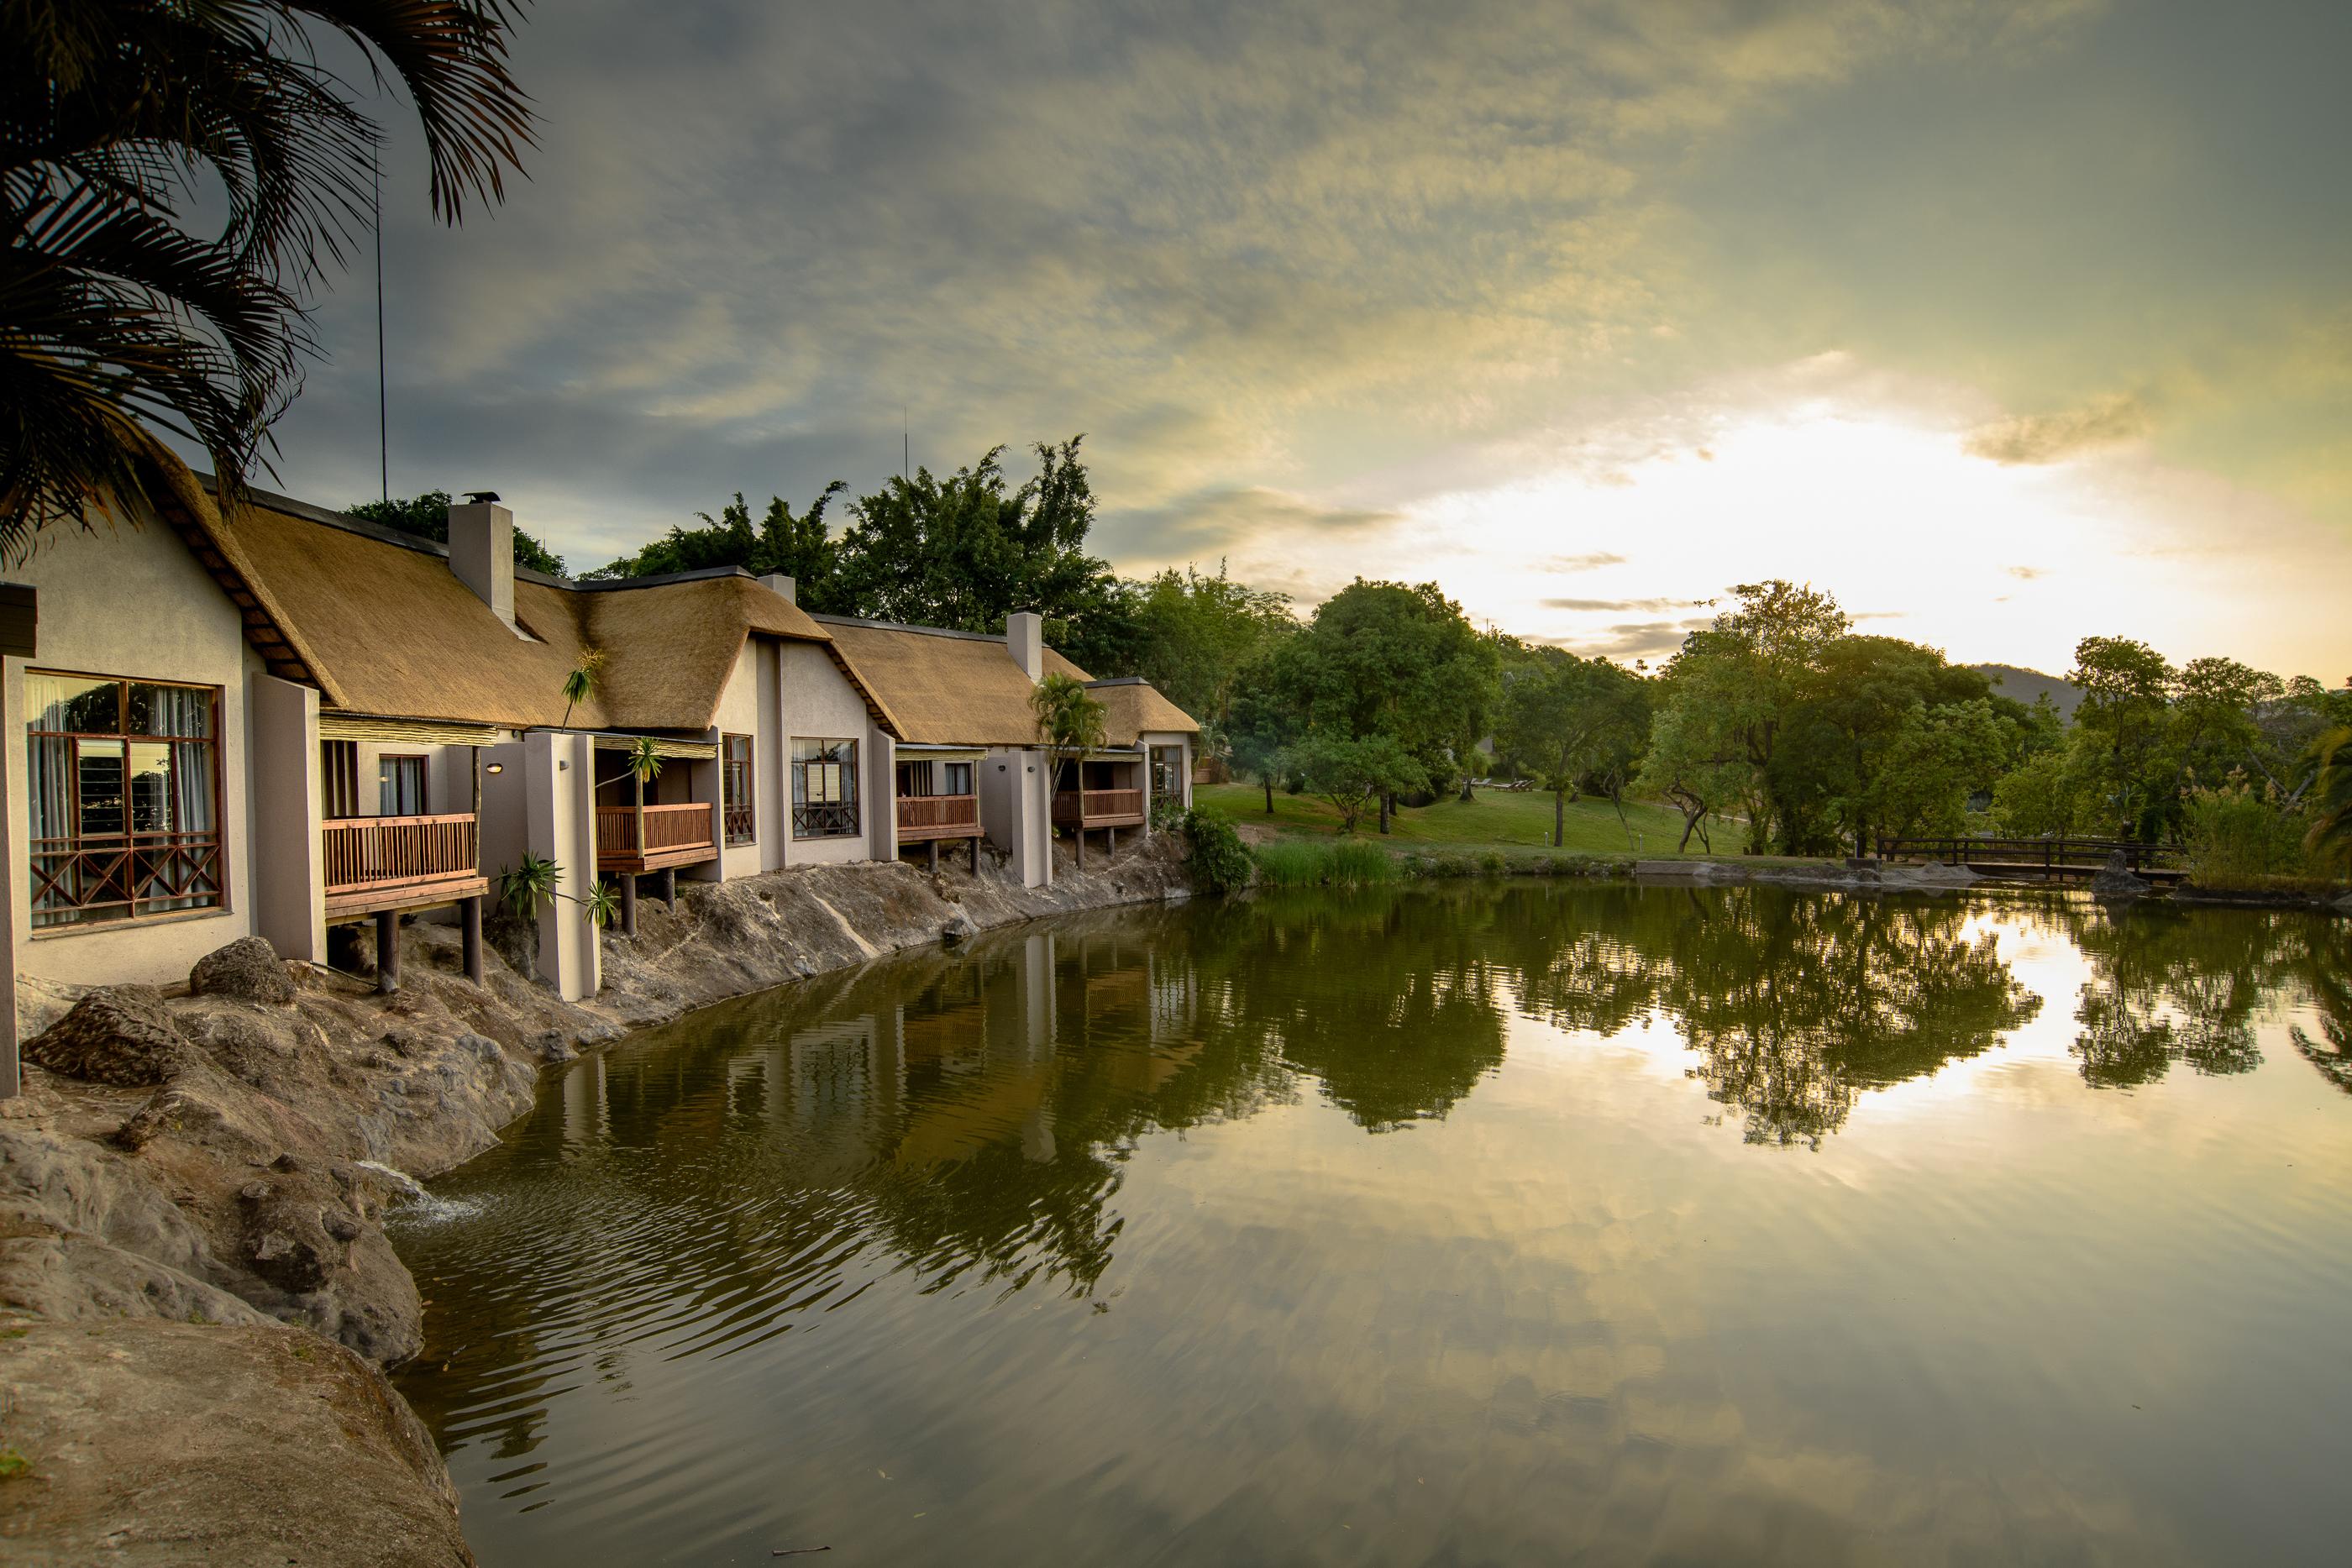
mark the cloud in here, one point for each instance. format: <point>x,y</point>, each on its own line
<point>2108,420</point>
<point>1213,521</point>
<point>1588,562</point>
<point>2025,573</point>
<point>1616,606</point>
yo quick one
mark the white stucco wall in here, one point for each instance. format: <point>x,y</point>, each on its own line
<point>132,602</point>
<point>819,704</point>
<point>1013,810</point>
<point>738,714</point>
<point>768,754</point>
<point>289,896</point>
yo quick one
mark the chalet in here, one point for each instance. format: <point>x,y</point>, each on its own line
<point>280,719</point>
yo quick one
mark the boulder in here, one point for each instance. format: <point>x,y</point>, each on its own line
<point>115,1034</point>
<point>248,969</point>
<point>2116,880</point>
<point>959,929</point>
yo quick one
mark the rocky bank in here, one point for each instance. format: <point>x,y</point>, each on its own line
<point>196,1295</point>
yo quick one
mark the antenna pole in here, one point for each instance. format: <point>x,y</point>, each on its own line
<point>382,440</point>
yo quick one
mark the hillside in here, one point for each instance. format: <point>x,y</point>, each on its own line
<point>2025,685</point>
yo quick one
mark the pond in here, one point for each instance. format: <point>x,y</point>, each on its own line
<point>1480,1223</point>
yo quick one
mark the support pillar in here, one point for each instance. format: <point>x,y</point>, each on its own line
<point>387,951</point>
<point>628,903</point>
<point>1110,841</point>
<point>670,887</point>
<point>975,855</point>
<point>934,847</point>
<point>469,915</point>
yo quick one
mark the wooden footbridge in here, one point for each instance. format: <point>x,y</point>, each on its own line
<point>2052,858</point>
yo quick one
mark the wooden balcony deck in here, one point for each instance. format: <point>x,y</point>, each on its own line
<point>374,863</point>
<point>675,835</point>
<point>1098,809</point>
<point>922,818</point>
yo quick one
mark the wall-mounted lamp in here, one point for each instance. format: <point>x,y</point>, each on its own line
<point>496,768</point>
<point>562,764</point>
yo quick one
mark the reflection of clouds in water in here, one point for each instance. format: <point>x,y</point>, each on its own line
<point>1209,1233</point>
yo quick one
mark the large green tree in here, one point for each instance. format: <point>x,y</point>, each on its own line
<point>126,300</point>
<point>1388,660</point>
<point>796,544</point>
<point>1195,635</point>
<point>965,550</point>
<point>1572,721</point>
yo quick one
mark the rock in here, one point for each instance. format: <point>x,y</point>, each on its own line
<point>551,1046</point>
<point>248,969</point>
<point>959,930</point>
<point>2116,880</point>
<point>153,1443</point>
<point>115,1034</point>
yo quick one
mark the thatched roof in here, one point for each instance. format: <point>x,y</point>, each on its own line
<point>1132,706</point>
<point>963,688</point>
<point>379,623</point>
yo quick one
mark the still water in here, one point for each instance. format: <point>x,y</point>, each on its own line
<point>1500,1224</point>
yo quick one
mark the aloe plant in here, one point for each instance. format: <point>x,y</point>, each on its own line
<point>602,905</point>
<point>528,884</point>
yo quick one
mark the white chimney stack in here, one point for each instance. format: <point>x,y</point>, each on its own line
<point>783,586</point>
<point>1025,638</point>
<point>481,554</point>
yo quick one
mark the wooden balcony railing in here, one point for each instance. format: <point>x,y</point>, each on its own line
<point>922,817</point>
<point>1101,808</point>
<point>675,835</point>
<point>399,862</point>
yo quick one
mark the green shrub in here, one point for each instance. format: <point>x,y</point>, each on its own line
<point>2239,837</point>
<point>1215,854</point>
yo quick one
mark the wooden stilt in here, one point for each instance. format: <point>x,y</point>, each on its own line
<point>469,915</point>
<point>387,951</point>
<point>628,903</point>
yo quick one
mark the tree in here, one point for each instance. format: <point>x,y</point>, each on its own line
<point>427,518</point>
<point>1196,636</point>
<point>1069,724</point>
<point>1685,765</point>
<point>1383,659</point>
<point>1571,720</point>
<point>121,311</point>
<point>2125,711</point>
<point>1353,775</point>
<point>580,682</point>
<point>964,552</point>
<point>795,544</point>
<point>1256,732</point>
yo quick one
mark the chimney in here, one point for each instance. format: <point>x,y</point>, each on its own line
<point>481,553</point>
<point>1025,638</point>
<point>783,586</point>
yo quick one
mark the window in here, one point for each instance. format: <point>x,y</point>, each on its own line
<point>924,780</point>
<point>825,789</point>
<point>735,786</point>
<point>1168,773</point>
<point>339,778</point>
<point>124,798</point>
<point>400,786</point>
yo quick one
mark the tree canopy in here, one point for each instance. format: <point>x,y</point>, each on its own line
<point>426,517</point>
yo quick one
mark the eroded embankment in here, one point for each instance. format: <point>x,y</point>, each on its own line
<point>196,1295</point>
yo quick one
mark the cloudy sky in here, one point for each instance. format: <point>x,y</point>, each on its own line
<point>2008,323</point>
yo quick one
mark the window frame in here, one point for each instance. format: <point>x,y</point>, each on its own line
<point>738,791</point>
<point>175,845</point>
<point>385,761</point>
<point>339,780</point>
<point>836,818</point>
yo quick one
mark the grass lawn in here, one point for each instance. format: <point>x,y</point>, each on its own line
<point>1497,819</point>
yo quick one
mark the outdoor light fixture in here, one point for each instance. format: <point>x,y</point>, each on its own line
<point>496,768</point>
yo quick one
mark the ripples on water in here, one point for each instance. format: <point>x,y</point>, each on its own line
<point>1495,1224</point>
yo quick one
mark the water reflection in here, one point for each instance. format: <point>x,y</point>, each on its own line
<point>811,1168</point>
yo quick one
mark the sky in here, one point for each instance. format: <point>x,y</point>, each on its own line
<point>2008,324</point>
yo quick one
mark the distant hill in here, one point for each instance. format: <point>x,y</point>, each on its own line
<point>2025,685</point>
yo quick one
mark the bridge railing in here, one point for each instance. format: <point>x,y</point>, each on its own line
<point>2049,853</point>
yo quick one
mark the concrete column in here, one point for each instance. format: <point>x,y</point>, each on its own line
<point>881,795</point>
<point>628,903</point>
<point>289,891</point>
<point>387,951</point>
<point>1013,810</point>
<point>559,824</point>
<point>469,920</point>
